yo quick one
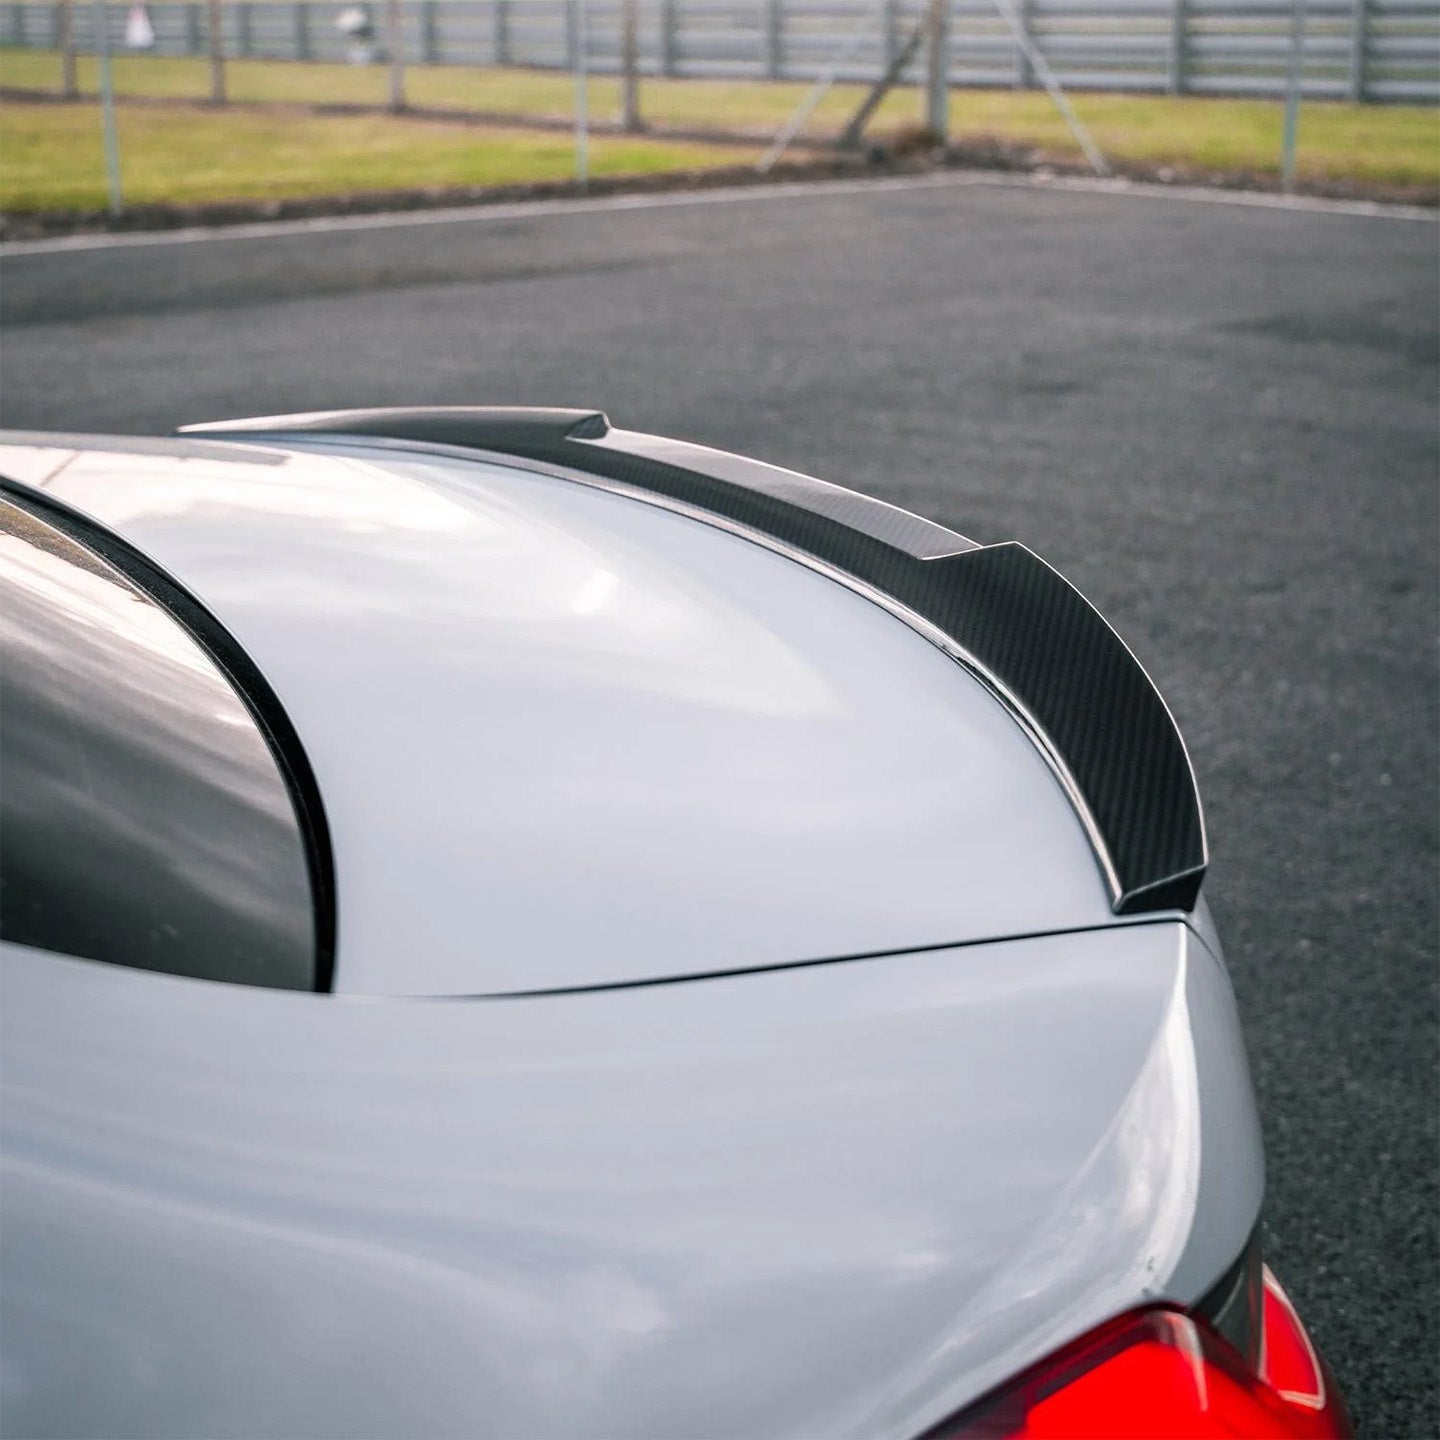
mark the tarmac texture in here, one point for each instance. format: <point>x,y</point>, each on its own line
<point>1219,421</point>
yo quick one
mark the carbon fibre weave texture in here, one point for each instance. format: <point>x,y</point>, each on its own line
<point>1052,650</point>
<point>1022,623</point>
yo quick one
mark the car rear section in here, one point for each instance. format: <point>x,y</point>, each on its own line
<point>845,1199</point>
<point>765,993</point>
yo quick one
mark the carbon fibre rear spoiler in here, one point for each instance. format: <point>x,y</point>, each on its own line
<point>1000,610</point>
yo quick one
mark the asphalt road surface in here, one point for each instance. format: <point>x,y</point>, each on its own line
<point>1219,421</point>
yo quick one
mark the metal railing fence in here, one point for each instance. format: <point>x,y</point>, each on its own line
<point>1358,50</point>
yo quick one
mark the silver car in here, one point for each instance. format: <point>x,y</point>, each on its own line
<point>517,928</point>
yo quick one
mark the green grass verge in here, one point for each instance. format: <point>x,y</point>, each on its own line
<point>1394,145</point>
<point>1390,145</point>
<point>51,156</point>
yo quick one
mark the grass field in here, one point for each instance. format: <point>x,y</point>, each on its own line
<point>51,156</point>
<point>44,161</point>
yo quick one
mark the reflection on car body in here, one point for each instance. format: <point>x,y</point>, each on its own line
<point>512,927</point>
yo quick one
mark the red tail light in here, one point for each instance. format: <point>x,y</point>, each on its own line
<point>1162,1375</point>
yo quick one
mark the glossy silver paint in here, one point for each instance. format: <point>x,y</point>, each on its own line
<point>837,1201</point>
<point>568,738</point>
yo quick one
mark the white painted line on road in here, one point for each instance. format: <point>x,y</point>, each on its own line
<point>740,194</point>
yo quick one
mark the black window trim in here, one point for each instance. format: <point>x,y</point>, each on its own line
<point>244,677</point>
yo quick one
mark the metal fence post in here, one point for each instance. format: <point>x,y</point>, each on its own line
<point>1295,80</point>
<point>395,44</point>
<point>216,39</point>
<point>1024,70</point>
<point>572,28</point>
<point>502,32</point>
<point>429,32</point>
<point>302,30</point>
<point>937,69</point>
<point>69,81</point>
<point>107,108</point>
<point>892,32</point>
<point>192,28</point>
<point>669,22</point>
<point>244,40</point>
<point>774,39</point>
<point>14,25</point>
<point>630,121</point>
<point>575,13</point>
<point>1175,60</point>
<point>1359,43</point>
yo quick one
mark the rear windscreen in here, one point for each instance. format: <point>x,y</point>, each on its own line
<point>143,818</point>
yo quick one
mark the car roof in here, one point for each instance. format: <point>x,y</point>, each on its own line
<point>567,738</point>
